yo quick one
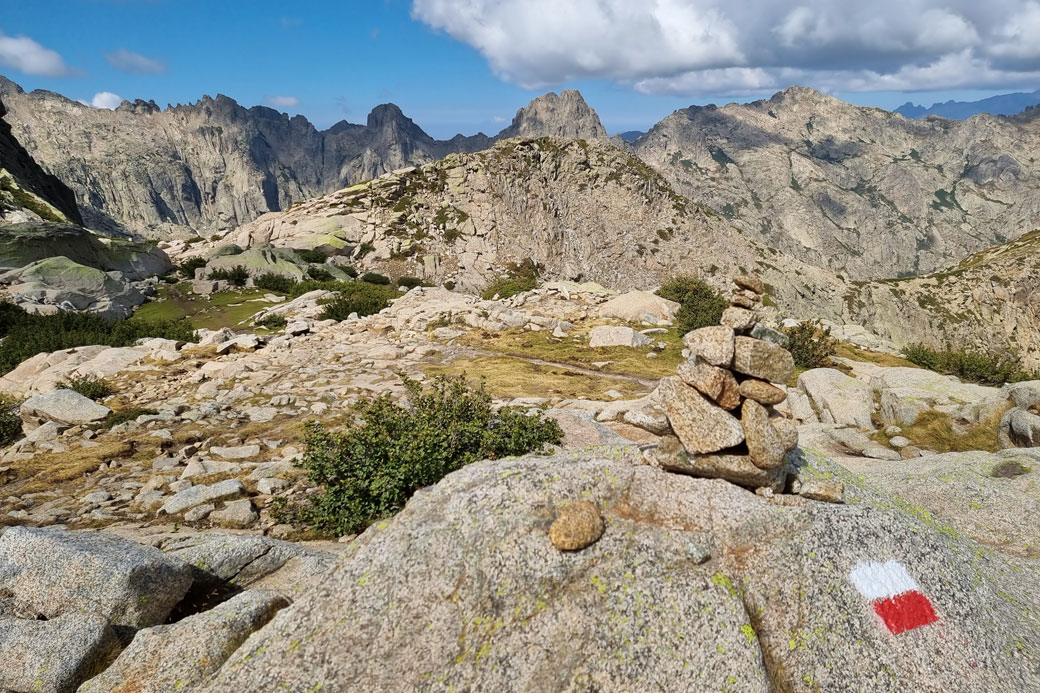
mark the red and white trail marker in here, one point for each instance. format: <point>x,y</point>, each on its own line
<point>895,596</point>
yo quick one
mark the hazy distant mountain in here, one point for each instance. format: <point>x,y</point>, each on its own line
<point>631,135</point>
<point>214,165</point>
<point>1004,104</point>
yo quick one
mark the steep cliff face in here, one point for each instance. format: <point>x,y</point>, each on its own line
<point>857,190</point>
<point>208,166</point>
<point>27,192</point>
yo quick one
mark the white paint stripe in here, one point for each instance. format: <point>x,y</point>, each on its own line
<point>881,580</point>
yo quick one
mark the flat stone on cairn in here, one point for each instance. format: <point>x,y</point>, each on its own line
<point>720,405</point>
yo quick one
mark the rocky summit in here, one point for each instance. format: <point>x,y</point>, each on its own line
<point>747,402</point>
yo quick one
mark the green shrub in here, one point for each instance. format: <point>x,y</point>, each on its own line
<point>237,275</point>
<point>312,256</point>
<point>811,344</point>
<point>272,322</point>
<point>124,415</point>
<point>272,281</point>
<point>699,304</point>
<point>10,421</point>
<point>449,285</point>
<point>89,386</point>
<point>369,471</point>
<point>26,335</point>
<point>373,278</point>
<point>350,271</point>
<point>363,299</point>
<point>409,282</point>
<point>504,288</point>
<point>364,249</point>
<point>319,274</point>
<point>973,366</point>
<point>188,267</point>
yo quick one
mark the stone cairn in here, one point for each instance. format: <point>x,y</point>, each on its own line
<point>720,402</point>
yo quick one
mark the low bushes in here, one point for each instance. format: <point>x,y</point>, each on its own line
<point>811,344</point>
<point>311,256</point>
<point>373,278</point>
<point>320,274</point>
<point>10,421</point>
<point>358,297</point>
<point>409,282</point>
<point>504,288</point>
<point>26,335</point>
<point>187,268</point>
<point>272,322</point>
<point>369,471</point>
<point>124,415</point>
<point>237,275</point>
<point>974,366</point>
<point>272,281</point>
<point>89,386</point>
<point>699,304</point>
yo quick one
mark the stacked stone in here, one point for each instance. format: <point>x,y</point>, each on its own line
<point>720,403</point>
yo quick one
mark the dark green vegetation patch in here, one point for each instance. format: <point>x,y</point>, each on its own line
<point>368,472</point>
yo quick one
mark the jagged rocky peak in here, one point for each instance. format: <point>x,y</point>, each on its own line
<point>389,115</point>
<point>563,115</point>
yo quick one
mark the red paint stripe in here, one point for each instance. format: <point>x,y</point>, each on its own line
<point>905,611</point>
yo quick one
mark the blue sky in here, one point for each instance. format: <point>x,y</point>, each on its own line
<point>467,65</point>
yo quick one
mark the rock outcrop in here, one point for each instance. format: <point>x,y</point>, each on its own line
<point>566,115</point>
<point>695,584</point>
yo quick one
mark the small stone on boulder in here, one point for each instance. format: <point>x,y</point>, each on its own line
<point>578,525</point>
<point>713,344</point>
<point>762,360</point>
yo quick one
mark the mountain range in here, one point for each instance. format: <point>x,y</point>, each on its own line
<point>1002,104</point>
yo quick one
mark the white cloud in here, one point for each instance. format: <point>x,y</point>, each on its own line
<point>25,55</point>
<point>106,99</point>
<point>722,46</point>
<point>282,101</point>
<point>135,63</point>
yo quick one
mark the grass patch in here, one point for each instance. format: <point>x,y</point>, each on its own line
<point>47,469</point>
<point>934,430</point>
<point>631,361</point>
<point>213,312</point>
<point>855,353</point>
<point>508,377</point>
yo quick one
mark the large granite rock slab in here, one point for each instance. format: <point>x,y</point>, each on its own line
<point>62,406</point>
<point>181,656</point>
<point>639,306</point>
<point>52,656</point>
<point>608,336</point>
<point>50,572</point>
<point>907,392</point>
<point>838,398</point>
<point>479,598</point>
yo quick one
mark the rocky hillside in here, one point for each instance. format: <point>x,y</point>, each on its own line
<point>214,165</point>
<point>583,211</point>
<point>857,190</point>
<point>988,302</point>
<point>27,192</point>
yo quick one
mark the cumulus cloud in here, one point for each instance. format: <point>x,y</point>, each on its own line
<point>721,46</point>
<point>282,101</point>
<point>135,63</point>
<point>27,56</point>
<point>106,99</point>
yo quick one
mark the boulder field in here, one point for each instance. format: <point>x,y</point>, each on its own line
<point>801,541</point>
